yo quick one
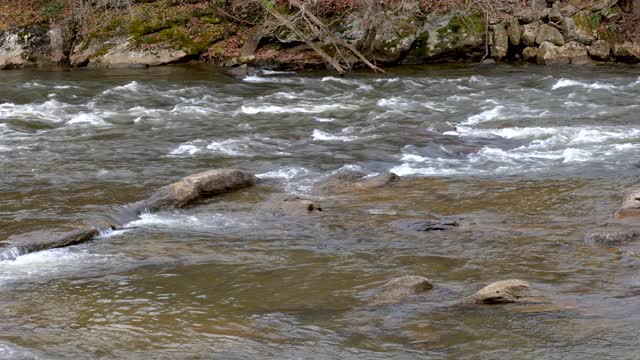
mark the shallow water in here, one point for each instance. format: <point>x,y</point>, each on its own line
<point>531,158</point>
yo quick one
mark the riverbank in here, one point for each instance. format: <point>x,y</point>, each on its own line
<point>291,37</point>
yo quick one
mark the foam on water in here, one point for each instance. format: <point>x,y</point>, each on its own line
<point>319,135</point>
<point>184,149</point>
<point>301,108</point>
<point>272,79</point>
<point>48,263</point>
<point>87,119</point>
<point>563,83</point>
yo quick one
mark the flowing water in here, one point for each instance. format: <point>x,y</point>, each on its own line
<point>531,158</point>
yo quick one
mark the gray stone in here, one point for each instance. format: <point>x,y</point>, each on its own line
<point>547,33</point>
<point>449,37</point>
<point>550,54</point>
<point>44,240</point>
<point>627,51</point>
<point>515,32</point>
<point>554,14</point>
<point>197,187</point>
<point>630,206</point>
<point>529,33</point>
<point>530,54</point>
<point>402,288</point>
<point>31,45</point>
<point>581,27</point>
<point>387,41</point>
<point>600,50</point>
<point>500,43</point>
<point>576,52</point>
<point>502,292</point>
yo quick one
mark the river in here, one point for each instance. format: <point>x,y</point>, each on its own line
<point>531,158</point>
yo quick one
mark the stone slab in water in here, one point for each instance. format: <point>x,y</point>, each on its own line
<point>199,186</point>
<point>44,240</point>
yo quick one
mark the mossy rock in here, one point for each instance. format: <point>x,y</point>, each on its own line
<point>582,27</point>
<point>450,36</point>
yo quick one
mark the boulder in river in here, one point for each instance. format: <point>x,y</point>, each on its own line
<point>350,181</point>
<point>630,206</point>
<point>399,289</point>
<point>502,292</point>
<point>197,187</point>
<point>44,240</point>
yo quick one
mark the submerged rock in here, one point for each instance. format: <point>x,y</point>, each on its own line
<point>197,187</point>
<point>290,205</point>
<point>399,289</point>
<point>44,240</point>
<point>502,292</point>
<point>613,238</point>
<point>630,206</point>
<point>425,225</point>
<point>351,181</point>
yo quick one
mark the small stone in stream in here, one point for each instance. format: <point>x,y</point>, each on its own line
<point>289,205</point>
<point>44,240</point>
<point>502,292</point>
<point>399,289</point>
<point>613,238</point>
<point>197,187</point>
<point>630,206</point>
<point>425,225</point>
<point>350,181</point>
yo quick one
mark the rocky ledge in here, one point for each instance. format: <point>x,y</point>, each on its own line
<point>568,32</point>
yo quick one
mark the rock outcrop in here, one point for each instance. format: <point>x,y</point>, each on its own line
<point>122,53</point>
<point>198,187</point>
<point>31,46</point>
<point>402,288</point>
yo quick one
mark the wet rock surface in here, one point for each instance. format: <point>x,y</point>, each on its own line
<point>44,240</point>
<point>630,206</point>
<point>502,292</point>
<point>198,187</point>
